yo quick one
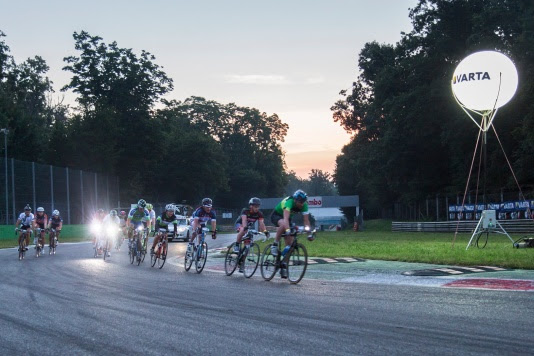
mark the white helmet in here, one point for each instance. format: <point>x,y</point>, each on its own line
<point>55,213</point>
<point>170,207</point>
<point>40,209</point>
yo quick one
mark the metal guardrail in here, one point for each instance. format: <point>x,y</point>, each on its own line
<point>519,226</point>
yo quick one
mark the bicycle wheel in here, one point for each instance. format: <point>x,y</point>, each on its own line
<point>162,256</point>
<point>202,256</point>
<point>269,264</point>
<point>132,252</point>
<point>189,257</point>
<point>105,252</point>
<point>154,257</point>
<point>251,260</point>
<point>22,247</point>
<point>297,264</point>
<point>230,260</point>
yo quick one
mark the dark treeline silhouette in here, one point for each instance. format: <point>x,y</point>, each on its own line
<point>160,150</point>
<point>410,139</point>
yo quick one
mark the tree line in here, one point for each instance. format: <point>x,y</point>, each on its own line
<point>163,150</point>
<point>410,139</point>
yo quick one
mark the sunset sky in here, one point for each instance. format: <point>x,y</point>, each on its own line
<point>286,57</point>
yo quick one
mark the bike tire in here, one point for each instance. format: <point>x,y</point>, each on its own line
<point>131,253</point>
<point>153,258</point>
<point>138,256</point>
<point>105,251</point>
<point>162,257</point>
<point>269,264</point>
<point>251,260</point>
<point>22,246</point>
<point>230,260</point>
<point>202,256</point>
<point>188,260</point>
<point>297,264</point>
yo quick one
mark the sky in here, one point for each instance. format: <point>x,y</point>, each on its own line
<point>290,58</point>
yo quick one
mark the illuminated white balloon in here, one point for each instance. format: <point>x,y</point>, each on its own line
<point>485,80</point>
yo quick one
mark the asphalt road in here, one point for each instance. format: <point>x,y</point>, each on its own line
<point>72,303</point>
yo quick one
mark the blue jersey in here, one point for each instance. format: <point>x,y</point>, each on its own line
<point>203,216</point>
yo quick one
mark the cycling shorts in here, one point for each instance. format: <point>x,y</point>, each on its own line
<point>275,218</point>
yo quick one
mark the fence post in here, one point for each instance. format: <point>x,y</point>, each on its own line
<point>13,185</point>
<point>81,187</point>
<point>437,208</point>
<point>52,187</point>
<point>118,194</point>
<point>447,207</point>
<point>68,195</point>
<point>107,190</point>
<point>96,190</point>
<point>33,184</point>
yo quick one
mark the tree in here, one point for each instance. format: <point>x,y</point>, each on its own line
<point>410,138</point>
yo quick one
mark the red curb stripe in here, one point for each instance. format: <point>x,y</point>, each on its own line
<point>500,284</point>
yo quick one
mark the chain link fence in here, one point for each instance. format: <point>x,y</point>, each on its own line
<point>75,193</point>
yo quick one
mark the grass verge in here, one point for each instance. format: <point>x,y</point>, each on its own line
<point>69,233</point>
<point>378,242</point>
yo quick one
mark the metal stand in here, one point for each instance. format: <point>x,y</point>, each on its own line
<point>487,224</point>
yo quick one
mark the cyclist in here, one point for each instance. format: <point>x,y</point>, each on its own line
<point>24,223</point>
<point>248,217</point>
<point>55,222</point>
<point>123,217</point>
<point>97,222</point>
<point>201,216</point>
<point>113,221</point>
<point>162,222</point>
<point>138,216</point>
<point>40,221</point>
<point>281,217</point>
<point>152,214</point>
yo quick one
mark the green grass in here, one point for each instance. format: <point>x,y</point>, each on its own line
<point>377,242</point>
<point>69,233</point>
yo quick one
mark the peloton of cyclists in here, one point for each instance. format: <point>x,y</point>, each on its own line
<point>281,217</point>
<point>200,217</point>
<point>24,223</point>
<point>40,221</point>
<point>162,222</point>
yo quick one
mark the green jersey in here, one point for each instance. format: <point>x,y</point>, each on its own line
<point>289,204</point>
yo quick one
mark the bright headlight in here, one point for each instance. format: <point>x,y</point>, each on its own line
<point>95,227</point>
<point>140,228</point>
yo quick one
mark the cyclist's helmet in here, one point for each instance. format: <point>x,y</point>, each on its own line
<point>55,213</point>
<point>170,207</point>
<point>149,206</point>
<point>40,209</point>
<point>113,213</point>
<point>254,201</point>
<point>141,203</point>
<point>100,211</point>
<point>299,195</point>
<point>123,213</point>
<point>27,207</point>
<point>207,202</point>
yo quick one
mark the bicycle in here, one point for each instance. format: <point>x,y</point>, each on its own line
<point>295,260</point>
<point>160,252</point>
<point>22,242</point>
<point>52,243</point>
<point>39,241</point>
<point>248,257</point>
<point>199,254</point>
<point>136,251</point>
